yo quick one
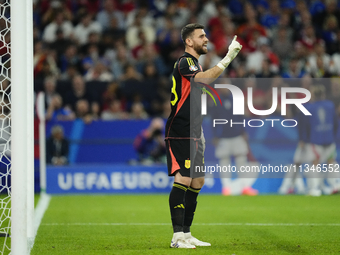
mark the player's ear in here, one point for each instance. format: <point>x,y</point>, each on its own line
<point>189,41</point>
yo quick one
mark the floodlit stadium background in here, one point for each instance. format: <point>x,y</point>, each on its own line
<point>124,53</point>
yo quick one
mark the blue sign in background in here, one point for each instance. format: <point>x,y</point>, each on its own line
<point>128,179</point>
<point>111,141</point>
<point>100,152</point>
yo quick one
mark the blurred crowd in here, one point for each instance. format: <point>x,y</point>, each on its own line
<point>113,59</point>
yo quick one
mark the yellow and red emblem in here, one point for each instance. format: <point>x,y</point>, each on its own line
<point>187,163</point>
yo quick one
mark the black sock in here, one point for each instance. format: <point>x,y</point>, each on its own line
<point>190,207</point>
<point>176,203</point>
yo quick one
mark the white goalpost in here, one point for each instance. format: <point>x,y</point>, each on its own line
<point>40,103</point>
<point>22,164</point>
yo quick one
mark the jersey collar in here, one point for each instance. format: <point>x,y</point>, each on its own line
<point>186,54</point>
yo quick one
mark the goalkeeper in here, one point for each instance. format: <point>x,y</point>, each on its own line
<point>179,137</point>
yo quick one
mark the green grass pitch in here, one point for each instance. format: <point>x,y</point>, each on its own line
<point>140,224</point>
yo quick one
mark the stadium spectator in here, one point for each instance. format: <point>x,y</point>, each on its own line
<point>112,93</point>
<point>61,43</point>
<point>59,22</point>
<point>216,23</point>
<point>114,31</point>
<point>109,11</point>
<point>69,74</point>
<point>138,48</point>
<point>149,143</point>
<point>130,72</point>
<point>331,9</point>
<point>50,9</point>
<point>158,8</point>
<point>120,58</point>
<point>166,109</point>
<point>44,62</point>
<point>272,16</point>
<point>79,92</point>
<point>91,6</point>
<point>334,94</point>
<point>84,112</point>
<point>266,70</point>
<point>209,9</point>
<point>56,111</point>
<point>223,39</point>
<point>191,11</point>
<point>176,16</point>
<point>142,13</point>
<point>316,7</point>
<point>282,44</point>
<point>321,70</point>
<point>318,60</point>
<point>150,32</point>
<point>149,54</point>
<point>138,112</point>
<point>284,22</point>
<point>150,80</point>
<point>251,30</point>
<point>336,57</point>
<point>329,34</point>
<point>85,27</point>
<point>300,53</point>
<point>309,38</point>
<point>294,70</point>
<point>263,52</point>
<point>69,58</point>
<point>302,19</point>
<point>99,72</point>
<point>49,89</point>
<point>239,72</point>
<point>91,58</point>
<point>170,48</point>
<point>57,147</point>
<point>114,112</point>
<point>132,34</point>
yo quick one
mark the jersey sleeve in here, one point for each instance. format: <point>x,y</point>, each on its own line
<point>187,68</point>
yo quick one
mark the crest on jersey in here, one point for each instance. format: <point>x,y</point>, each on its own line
<point>193,68</point>
<point>187,163</point>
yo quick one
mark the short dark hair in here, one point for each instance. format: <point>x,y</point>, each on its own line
<point>189,29</point>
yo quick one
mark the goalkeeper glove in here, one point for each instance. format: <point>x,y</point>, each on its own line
<point>233,50</point>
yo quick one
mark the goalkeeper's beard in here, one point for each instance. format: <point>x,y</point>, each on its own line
<point>200,50</point>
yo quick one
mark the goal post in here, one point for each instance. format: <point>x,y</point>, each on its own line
<point>22,192</point>
<point>40,108</point>
<point>30,123</point>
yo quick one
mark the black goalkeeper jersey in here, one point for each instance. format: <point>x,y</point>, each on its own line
<point>178,123</point>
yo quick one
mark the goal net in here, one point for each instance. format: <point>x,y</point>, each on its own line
<point>5,128</point>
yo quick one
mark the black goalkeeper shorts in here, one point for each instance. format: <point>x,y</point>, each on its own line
<point>181,158</point>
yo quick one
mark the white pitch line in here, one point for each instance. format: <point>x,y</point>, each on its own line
<point>199,224</point>
<point>39,212</point>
